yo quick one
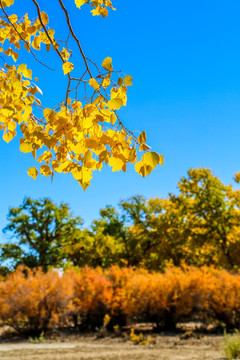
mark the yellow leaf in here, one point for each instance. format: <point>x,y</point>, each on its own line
<point>77,174</point>
<point>142,138</point>
<point>45,170</point>
<point>88,156</point>
<point>100,11</point>
<point>115,104</point>
<point>113,119</point>
<point>44,17</point>
<point>32,172</point>
<point>116,163</point>
<point>31,29</point>
<point>138,166</point>
<point>26,72</point>
<point>144,147</point>
<point>56,166</point>
<point>143,169</point>
<point>46,156</point>
<point>67,67</point>
<point>119,94</point>
<point>15,56</point>
<point>26,147</point>
<point>7,3</point>
<point>107,64</point>
<point>79,3</point>
<point>151,158</point>
<point>86,175</point>
<point>128,80</point>
<point>27,46</point>
<point>13,18</point>
<point>82,174</point>
<point>9,136</point>
<point>65,54</point>
<point>49,114</point>
<point>87,123</point>
<point>84,185</point>
<point>36,43</point>
<point>94,84</point>
<point>120,81</point>
<point>106,82</point>
<point>12,125</point>
<point>161,159</point>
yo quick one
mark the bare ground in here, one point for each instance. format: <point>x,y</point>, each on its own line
<point>84,348</point>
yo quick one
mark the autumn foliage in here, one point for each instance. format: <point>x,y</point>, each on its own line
<point>83,131</point>
<point>35,301</point>
<point>162,261</point>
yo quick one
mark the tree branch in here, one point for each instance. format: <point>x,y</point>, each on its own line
<point>75,37</point>
<point>15,29</point>
<point>54,46</point>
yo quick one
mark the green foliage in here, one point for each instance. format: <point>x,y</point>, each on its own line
<point>37,340</point>
<point>42,230</point>
<point>232,346</point>
<point>200,225</point>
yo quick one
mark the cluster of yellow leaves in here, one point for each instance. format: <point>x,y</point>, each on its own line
<point>5,3</point>
<point>99,6</point>
<point>77,142</point>
<point>22,29</point>
<point>16,98</point>
<point>149,161</point>
<point>75,137</point>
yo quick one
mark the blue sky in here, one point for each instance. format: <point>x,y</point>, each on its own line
<point>184,58</point>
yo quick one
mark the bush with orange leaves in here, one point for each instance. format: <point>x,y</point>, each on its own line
<point>221,296</point>
<point>176,295</point>
<point>92,297</point>
<point>36,301</point>
<point>33,301</point>
<point>163,299</point>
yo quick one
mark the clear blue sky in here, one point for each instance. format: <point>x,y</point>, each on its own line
<point>184,57</point>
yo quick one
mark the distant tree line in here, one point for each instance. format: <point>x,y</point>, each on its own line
<point>199,225</point>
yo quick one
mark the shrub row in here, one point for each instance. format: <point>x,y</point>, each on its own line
<point>32,300</point>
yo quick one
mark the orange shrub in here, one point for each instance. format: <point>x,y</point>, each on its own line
<point>119,278</point>
<point>34,300</point>
<point>92,296</point>
<point>221,296</point>
<point>160,298</point>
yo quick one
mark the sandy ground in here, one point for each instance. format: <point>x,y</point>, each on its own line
<point>165,348</point>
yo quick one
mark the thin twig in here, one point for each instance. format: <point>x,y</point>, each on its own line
<point>94,65</point>
<point>45,29</point>
<point>54,47</point>
<point>74,36</point>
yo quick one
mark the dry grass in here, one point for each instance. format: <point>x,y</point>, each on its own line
<point>83,348</point>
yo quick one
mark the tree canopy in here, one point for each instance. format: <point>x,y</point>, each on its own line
<point>84,131</point>
<point>42,231</point>
<point>199,225</point>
